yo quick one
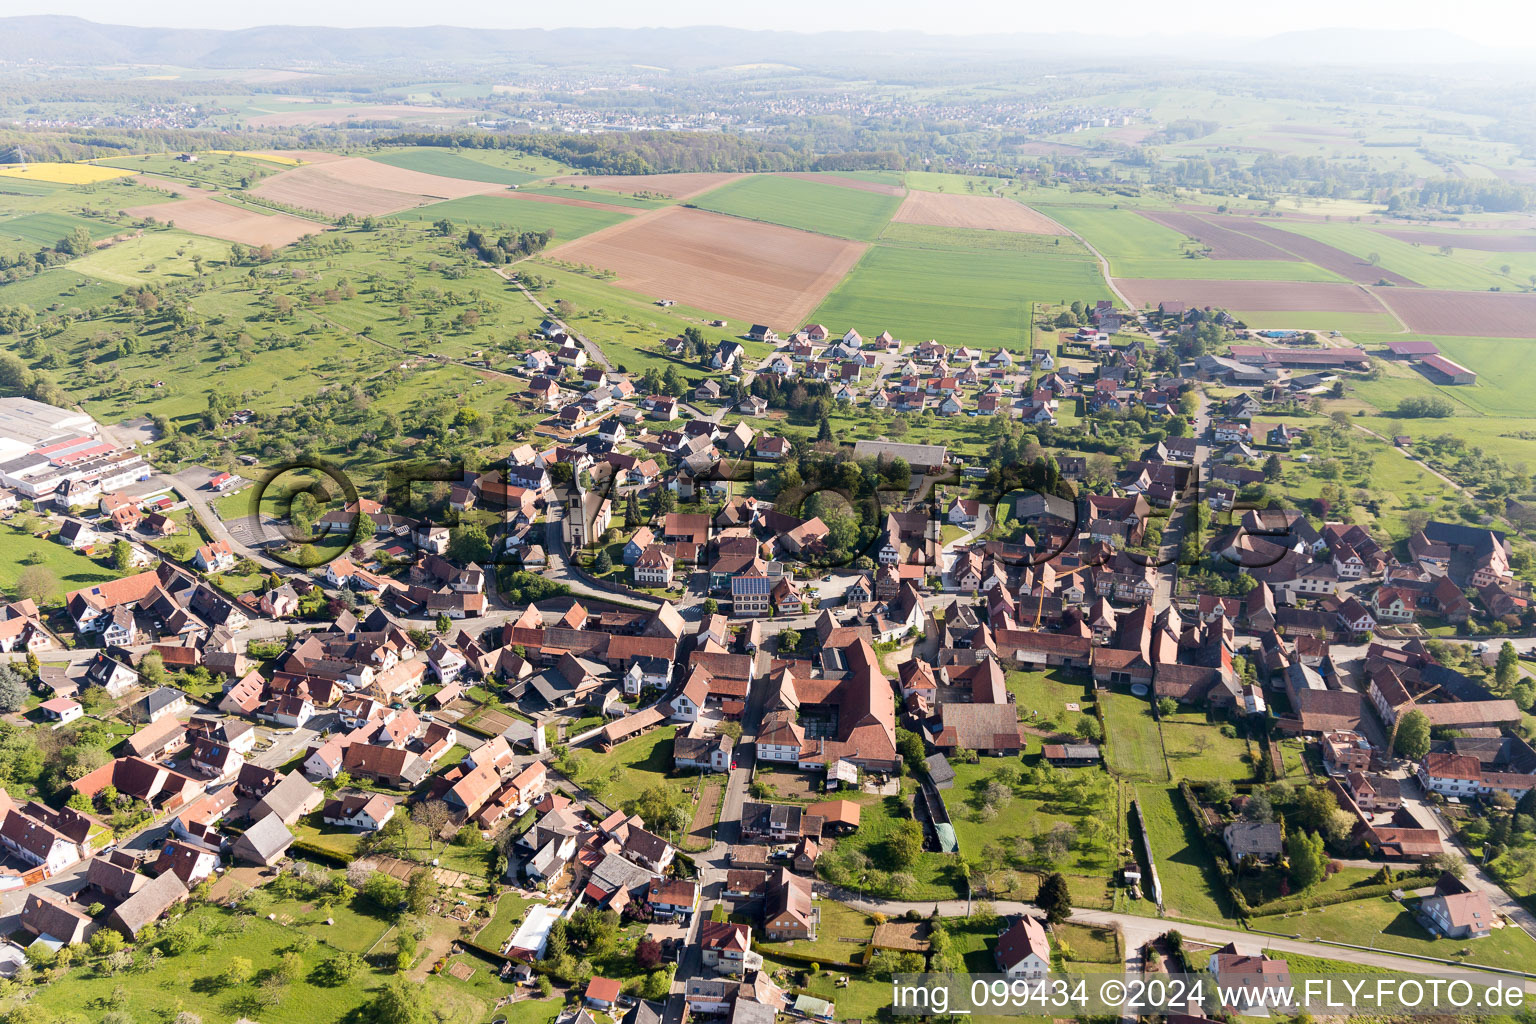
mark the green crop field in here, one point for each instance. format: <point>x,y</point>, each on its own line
<point>1464,270</point>
<point>809,205</point>
<point>449,164</point>
<point>1121,235</point>
<point>928,236</point>
<point>567,222</point>
<point>1318,320</point>
<point>47,228</point>
<point>1137,247</point>
<point>979,298</point>
<point>596,195</point>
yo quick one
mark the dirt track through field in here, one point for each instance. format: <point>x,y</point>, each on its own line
<point>675,186</point>
<point>878,187</point>
<point>743,269</point>
<point>1254,296</point>
<point>1224,243</point>
<point>986,213</point>
<point>210,217</point>
<point>1465,314</point>
<point>1319,253</point>
<point>365,187</point>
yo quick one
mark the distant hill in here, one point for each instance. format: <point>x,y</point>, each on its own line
<point>1363,46</point>
<point>60,40</point>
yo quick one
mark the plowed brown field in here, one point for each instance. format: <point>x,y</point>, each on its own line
<point>1324,255</point>
<point>744,269</point>
<point>231,223</point>
<point>1253,296</point>
<point>676,186</point>
<point>987,213</point>
<point>1470,314</point>
<point>1464,239</point>
<point>1225,244</point>
<point>355,185</point>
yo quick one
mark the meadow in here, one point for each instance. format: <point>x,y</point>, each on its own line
<point>1134,745</point>
<point>70,570</point>
<point>1464,270</point>
<point>1184,865</point>
<point>451,165</point>
<point>212,170</point>
<point>505,213</point>
<point>980,298</point>
<point>1139,248</point>
<point>808,205</point>
<point>152,257</point>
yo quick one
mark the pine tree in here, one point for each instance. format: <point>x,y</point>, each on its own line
<point>632,516</point>
<point>1054,898</point>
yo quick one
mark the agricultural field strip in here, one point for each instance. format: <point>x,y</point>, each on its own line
<point>745,269</point>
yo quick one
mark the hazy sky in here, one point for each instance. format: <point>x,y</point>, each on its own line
<point>1494,22</point>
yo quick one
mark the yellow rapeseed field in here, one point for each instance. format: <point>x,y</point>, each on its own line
<point>255,155</point>
<point>63,174</point>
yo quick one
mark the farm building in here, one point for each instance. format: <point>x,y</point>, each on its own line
<point>1444,371</point>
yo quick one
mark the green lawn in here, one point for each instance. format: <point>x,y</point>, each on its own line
<point>1197,749</point>
<point>353,928</point>
<point>475,1001</point>
<point>991,832</point>
<point>842,935</point>
<point>935,876</point>
<point>195,981</point>
<point>1184,865</point>
<point>631,767</point>
<point>508,214</point>
<point>809,205</point>
<point>1385,924</point>
<point>1134,747</point>
<point>861,999</point>
<point>1048,692</point>
<point>451,165</point>
<point>955,296</point>
<point>504,921</point>
<point>68,570</point>
<point>1089,944</point>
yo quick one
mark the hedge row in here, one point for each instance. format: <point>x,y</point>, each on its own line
<point>316,850</point>
<point>803,958</point>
